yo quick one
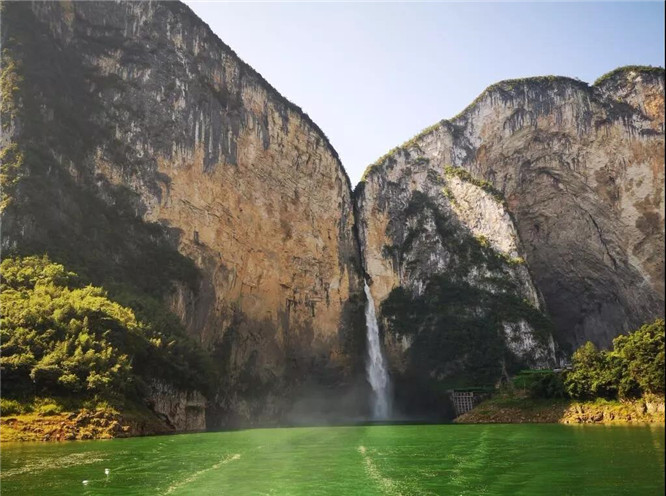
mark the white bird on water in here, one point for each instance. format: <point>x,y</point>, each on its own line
<point>107,471</point>
<point>85,482</point>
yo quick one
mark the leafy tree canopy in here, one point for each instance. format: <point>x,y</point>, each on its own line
<point>633,367</point>
<point>63,338</point>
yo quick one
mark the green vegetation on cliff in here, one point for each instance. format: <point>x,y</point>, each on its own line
<point>632,368</point>
<point>67,345</point>
<point>70,342</point>
<point>516,408</point>
<point>623,384</point>
<point>456,329</point>
<point>464,175</point>
<point>460,326</point>
<point>647,69</point>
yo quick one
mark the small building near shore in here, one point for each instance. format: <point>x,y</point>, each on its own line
<point>464,399</point>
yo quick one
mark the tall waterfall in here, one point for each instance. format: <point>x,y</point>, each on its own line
<point>375,365</point>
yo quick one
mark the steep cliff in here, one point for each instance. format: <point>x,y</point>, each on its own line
<point>459,306</point>
<point>141,151</point>
<point>138,150</point>
<point>542,186</point>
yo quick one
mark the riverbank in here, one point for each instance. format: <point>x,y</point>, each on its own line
<point>103,423</point>
<point>516,409</point>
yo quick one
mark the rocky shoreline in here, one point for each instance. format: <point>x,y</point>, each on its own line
<point>109,424</point>
<point>511,410</point>
<point>82,425</point>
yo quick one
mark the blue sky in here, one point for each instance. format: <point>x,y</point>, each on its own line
<point>372,75</point>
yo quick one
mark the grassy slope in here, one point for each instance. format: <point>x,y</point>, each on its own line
<point>513,409</point>
<point>102,423</point>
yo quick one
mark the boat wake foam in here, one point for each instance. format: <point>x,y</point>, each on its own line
<point>199,473</point>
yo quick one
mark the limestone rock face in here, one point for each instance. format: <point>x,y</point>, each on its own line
<point>458,304</point>
<point>578,174</point>
<point>140,151</point>
<point>182,410</point>
<point>149,154</point>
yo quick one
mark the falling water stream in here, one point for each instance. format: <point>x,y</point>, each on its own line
<point>376,365</point>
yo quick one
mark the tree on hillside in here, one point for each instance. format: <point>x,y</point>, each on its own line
<point>633,367</point>
<point>63,338</point>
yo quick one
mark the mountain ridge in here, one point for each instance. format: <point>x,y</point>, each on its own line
<point>511,82</point>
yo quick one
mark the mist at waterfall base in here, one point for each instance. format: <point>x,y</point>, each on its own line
<point>344,406</point>
<point>365,398</point>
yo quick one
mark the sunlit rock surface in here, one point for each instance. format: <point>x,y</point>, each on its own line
<point>579,173</point>
<point>181,410</point>
<point>148,144</point>
<point>140,151</point>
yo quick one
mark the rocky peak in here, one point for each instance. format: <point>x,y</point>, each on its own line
<point>581,170</point>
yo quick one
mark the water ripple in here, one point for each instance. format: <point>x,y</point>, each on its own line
<point>199,473</point>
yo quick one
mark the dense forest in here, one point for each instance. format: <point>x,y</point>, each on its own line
<point>66,344</point>
<point>633,367</point>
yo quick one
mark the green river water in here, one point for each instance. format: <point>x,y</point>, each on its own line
<point>452,460</point>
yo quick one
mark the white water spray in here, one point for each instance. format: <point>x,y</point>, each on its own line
<point>375,364</point>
